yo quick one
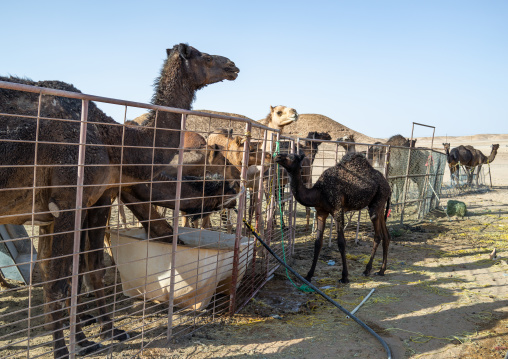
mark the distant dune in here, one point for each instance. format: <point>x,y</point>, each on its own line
<point>315,122</point>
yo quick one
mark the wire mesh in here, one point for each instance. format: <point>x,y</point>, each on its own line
<point>90,222</point>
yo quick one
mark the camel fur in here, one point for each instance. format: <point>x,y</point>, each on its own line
<point>352,184</point>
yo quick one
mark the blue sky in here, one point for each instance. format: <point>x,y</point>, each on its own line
<point>374,66</point>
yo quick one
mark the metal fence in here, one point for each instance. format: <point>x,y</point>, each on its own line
<point>91,218</point>
<point>90,224</point>
<point>415,176</point>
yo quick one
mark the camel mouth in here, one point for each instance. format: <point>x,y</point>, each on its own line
<point>232,72</point>
<point>279,158</point>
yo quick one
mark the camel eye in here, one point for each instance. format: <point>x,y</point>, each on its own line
<point>279,113</point>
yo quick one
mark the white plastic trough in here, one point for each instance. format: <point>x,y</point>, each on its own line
<point>204,265</point>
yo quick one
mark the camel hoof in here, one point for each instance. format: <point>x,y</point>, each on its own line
<point>344,280</point>
<point>380,273</point>
<point>366,274</point>
<point>118,334</point>
<point>88,347</point>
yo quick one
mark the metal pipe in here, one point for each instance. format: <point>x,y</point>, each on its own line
<point>241,208</point>
<point>176,219</point>
<point>81,96</point>
<point>77,226</point>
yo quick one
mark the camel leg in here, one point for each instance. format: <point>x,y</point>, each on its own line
<point>341,242</point>
<point>386,244</point>
<point>380,234</point>
<point>318,244</point>
<point>94,259</point>
<point>56,284</point>
<point>478,174</point>
<point>206,222</point>
<point>307,216</point>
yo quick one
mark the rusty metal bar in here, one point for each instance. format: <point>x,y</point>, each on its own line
<point>259,204</point>
<point>176,219</point>
<point>239,218</point>
<point>30,284</point>
<point>77,226</point>
<point>81,96</point>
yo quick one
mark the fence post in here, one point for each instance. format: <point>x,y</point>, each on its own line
<point>77,227</point>
<point>176,222</point>
<point>240,216</point>
<point>259,205</point>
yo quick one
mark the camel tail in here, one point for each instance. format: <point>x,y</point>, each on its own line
<point>387,207</point>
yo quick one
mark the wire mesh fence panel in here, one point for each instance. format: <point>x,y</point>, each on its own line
<point>115,233</point>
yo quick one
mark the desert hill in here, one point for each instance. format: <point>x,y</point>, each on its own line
<point>305,124</point>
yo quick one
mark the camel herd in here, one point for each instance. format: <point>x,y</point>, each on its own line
<point>136,164</point>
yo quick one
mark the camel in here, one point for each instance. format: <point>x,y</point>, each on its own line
<point>198,195</point>
<point>278,117</point>
<point>352,184</point>
<point>397,164</point>
<point>469,157</point>
<point>52,202</point>
<point>348,143</point>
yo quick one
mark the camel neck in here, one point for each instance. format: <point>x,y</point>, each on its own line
<point>308,197</point>
<point>492,156</point>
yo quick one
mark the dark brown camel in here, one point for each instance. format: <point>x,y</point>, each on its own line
<point>397,165</point>
<point>199,195</point>
<point>352,184</point>
<point>470,158</point>
<point>52,203</point>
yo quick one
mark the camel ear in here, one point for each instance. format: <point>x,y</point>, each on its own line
<point>239,140</point>
<point>271,108</point>
<point>300,157</point>
<point>185,51</point>
<point>216,151</point>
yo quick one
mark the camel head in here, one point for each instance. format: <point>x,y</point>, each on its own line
<point>347,138</point>
<point>495,147</point>
<point>291,162</point>
<point>317,136</point>
<point>204,68</point>
<point>446,146</point>
<point>281,116</point>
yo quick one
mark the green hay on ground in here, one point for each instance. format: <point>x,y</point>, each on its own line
<point>456,208</point>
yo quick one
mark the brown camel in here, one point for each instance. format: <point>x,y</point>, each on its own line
<point>352,184</point>
<point>348,143</point>
<point>469,157</point>
<point>199,195</point>
<point>279,117</point>
<point>397,165</point>
<point>52,202</point>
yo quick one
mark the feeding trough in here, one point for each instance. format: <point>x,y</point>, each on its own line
<point>204,265</point>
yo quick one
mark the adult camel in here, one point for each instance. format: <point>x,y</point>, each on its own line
<point>46,195</point>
